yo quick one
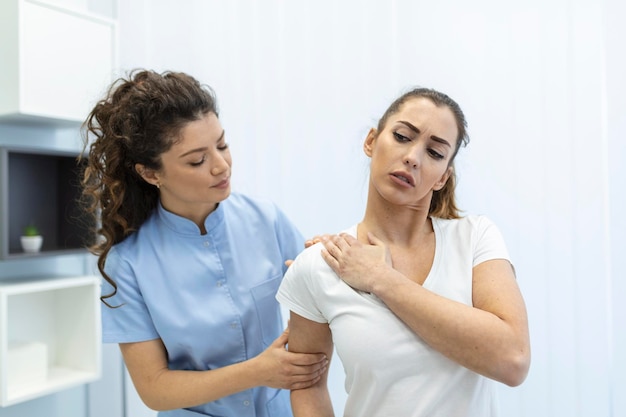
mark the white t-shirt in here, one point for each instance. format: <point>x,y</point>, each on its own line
<point>390,371</point>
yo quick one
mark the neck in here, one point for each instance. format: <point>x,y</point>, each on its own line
<point>396,225</point>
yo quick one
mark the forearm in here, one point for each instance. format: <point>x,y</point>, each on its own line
<point>474,338</point>
<point>163,389</point>
<point>181,389</point>
<point>308,336</point>
<point>312,402</point>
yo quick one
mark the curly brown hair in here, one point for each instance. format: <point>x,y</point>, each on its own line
<point>443,204</point>
<point>139,119</point>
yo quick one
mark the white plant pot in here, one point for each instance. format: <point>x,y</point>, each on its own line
<point>31,244</point>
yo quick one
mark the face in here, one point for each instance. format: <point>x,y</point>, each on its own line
<point>411,157</point>
<point>195,173</point>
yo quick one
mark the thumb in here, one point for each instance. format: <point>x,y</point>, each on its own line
<point>374,240</point>
<point>282,339</point>
<point>379,243</point>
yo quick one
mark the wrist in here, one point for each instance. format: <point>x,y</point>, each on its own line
<point>385,278</point>
<point>254,372</point>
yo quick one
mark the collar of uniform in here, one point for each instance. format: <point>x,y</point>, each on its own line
<point>184,226</point>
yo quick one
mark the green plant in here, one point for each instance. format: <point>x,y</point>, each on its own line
<point>31,230</point>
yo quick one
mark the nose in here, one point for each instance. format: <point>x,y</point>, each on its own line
<point>219,164</point>
<point>413,158</point>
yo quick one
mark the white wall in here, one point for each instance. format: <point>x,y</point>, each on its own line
<point>616,173</point>
<point>542,85</point>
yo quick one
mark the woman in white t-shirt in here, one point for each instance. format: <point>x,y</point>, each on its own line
<point>421,304</point>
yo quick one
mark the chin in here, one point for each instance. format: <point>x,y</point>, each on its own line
<point>224,195</point>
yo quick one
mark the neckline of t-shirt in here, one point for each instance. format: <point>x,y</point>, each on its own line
<point>432,274</point>
<point>439,237</point>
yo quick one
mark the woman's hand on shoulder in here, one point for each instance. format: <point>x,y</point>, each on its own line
<point>316,239</point>
<point>308,243</point>
<point>358,264</point>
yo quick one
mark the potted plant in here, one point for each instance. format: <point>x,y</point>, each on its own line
<point>31,239</point>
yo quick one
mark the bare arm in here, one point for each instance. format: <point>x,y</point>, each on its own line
<point>309,336</point>
<point>163,389</point>
<point>491,337</point>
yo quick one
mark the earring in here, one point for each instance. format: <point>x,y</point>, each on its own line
<point>158,185</point>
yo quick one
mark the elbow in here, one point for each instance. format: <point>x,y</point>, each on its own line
<point>516,369</point>
<point>154,402</point>
<point>158,407</point>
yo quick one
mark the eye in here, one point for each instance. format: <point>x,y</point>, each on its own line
<point>197,164</point>
<point>222,147</point>
<point>401,138</point>
<point>435,154</point>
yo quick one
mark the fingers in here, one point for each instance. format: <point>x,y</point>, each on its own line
<point>305,384</point>
<point>291,370</point>
<point>307,359</point>
<point>338,244</point>
<point>331,244</point>
<point>316,239</point>
<point>343,241</point>
<point>349,239</point>
<point>334,247</point>
<point>330,260</point>
<point>304,376</point>
<point>306,381</point>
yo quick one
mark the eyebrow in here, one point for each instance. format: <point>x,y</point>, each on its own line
<point>203,148</point>
<point>433,137</point>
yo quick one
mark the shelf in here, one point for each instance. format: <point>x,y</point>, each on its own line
<point>58,57</point>
<point>41,187</point>
<point>57,379</point>
<point>50,336</point>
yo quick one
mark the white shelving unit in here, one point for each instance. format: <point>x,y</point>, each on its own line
<point>58,57</point>
<point>50,336</point>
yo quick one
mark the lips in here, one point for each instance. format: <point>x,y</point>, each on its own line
<point>404,177</point>
<point>223,183</point>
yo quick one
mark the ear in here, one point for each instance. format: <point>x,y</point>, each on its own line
<point>149,175</point>
<point>368,145</point>
<point>444,178</point>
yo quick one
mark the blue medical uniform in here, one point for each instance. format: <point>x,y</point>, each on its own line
<point>210,298</point>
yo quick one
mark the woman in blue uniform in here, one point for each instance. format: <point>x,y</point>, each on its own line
<point>190,269</point>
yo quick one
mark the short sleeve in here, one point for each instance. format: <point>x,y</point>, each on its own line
<point>488,241</point>
<point>130,320</point>
<point>299,288</point>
